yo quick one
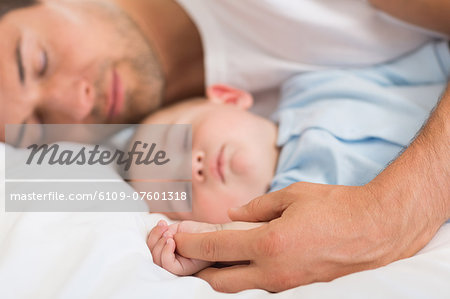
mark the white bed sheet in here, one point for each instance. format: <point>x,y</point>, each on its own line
<point>104,255</point>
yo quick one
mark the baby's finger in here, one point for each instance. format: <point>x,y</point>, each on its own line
<point>173,228</point>
<point>156,233</point>
<point>157,249</point>
<point>168,258</point>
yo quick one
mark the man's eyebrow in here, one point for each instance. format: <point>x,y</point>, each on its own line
<point>19,61</point>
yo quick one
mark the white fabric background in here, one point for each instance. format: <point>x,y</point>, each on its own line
<point>104,255</point>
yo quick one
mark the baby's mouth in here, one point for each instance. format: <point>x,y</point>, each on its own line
<point>221,163</point>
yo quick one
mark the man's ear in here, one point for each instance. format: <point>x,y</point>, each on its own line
<point>223,94</point>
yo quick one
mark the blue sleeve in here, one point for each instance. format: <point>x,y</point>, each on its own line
<point>345,126</point>
<point>427,65</point>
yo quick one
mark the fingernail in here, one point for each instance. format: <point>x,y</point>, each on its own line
<point>161,223</point>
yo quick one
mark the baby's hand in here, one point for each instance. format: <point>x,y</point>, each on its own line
<point>162,246</point>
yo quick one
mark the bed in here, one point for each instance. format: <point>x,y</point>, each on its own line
<point>104,255</point>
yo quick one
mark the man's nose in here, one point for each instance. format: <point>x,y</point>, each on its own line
<point>83,101</point>
<point>198,159</point>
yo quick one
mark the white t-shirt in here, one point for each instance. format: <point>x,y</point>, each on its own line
<point>257,44</point>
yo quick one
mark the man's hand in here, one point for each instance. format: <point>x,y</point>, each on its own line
<point>320,232</point>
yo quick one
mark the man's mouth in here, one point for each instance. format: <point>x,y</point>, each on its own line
<point>116,96</point>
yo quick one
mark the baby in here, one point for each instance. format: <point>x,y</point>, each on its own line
<point>234,156</point>
<point>234,152</point>
<point>332,127</point>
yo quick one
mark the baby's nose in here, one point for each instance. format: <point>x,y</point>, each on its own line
<point>197,166</point>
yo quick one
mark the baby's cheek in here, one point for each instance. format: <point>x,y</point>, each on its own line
<point>240,163</point>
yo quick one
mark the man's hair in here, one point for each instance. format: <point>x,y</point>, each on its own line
<point>9,5</point>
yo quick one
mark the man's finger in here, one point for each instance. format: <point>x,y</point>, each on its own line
<point>231,279</point>
<point>224,246</point>
<point>263,208</point>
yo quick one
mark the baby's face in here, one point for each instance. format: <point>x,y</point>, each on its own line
<point>234,152</point>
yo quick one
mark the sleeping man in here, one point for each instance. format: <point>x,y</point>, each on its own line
<point>332,127</point>
<point>116,61</point>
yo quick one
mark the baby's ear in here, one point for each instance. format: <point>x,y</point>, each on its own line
<point>223,94</point>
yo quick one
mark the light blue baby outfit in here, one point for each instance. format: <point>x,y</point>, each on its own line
<point>344,126</point>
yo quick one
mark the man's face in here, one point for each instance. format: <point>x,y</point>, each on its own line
<point>75,62</point>
<point>234,155</point>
